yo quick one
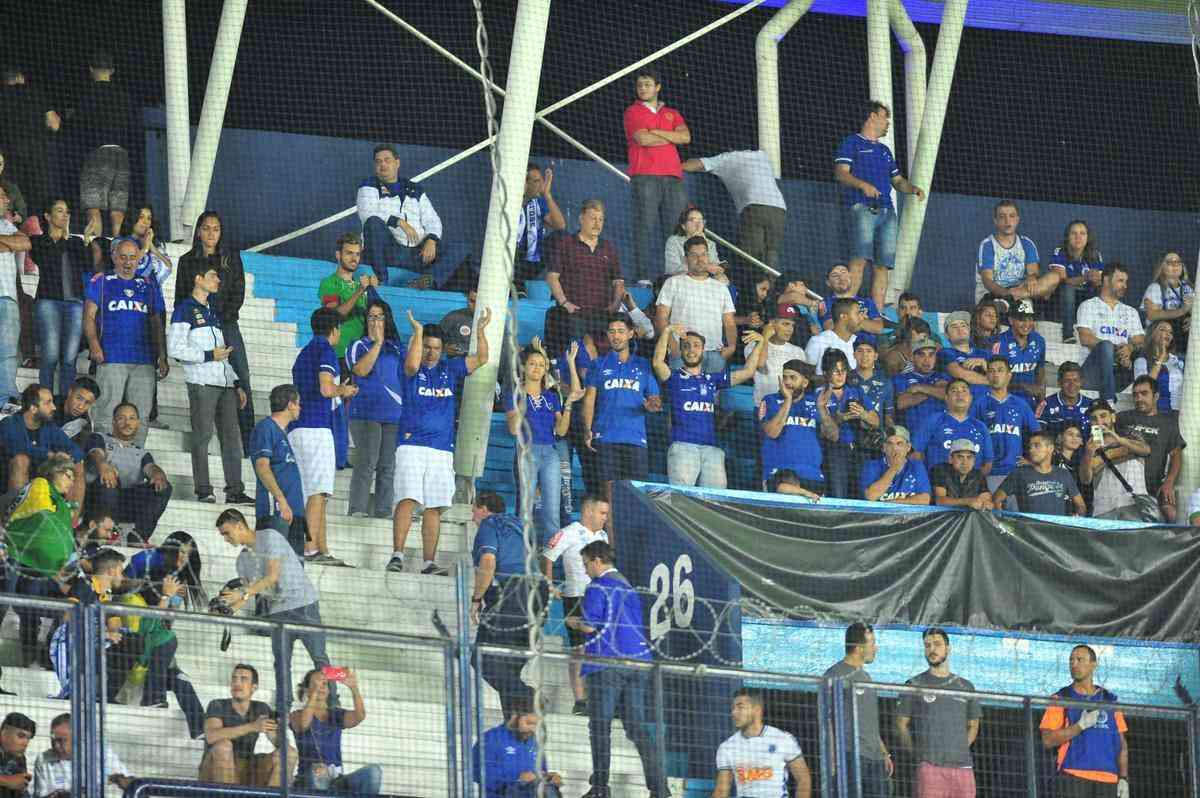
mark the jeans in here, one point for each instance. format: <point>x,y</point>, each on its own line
<point>760,232</point>
<point>132,381</point>
<point>656,199</point>
<point>241,367</point>
<point>141,504</point>
<point>622,694</point>
<point>545,471</point>
<point>1068,298</point>
<point>838,467</point>
<point>382,252</point>
<point>314,644</point>
<point>364,781</point>
<point>374,464</point>
<point>209,406</point>
<point>873,235</point>
<point>59,325</point>
<point>566,499</point>
<point>10,358</point>
<point>504,622</point>
<point>692,463</point>
<point>1102,373</point>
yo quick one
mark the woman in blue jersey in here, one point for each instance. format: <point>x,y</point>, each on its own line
<point>376,360</point>
<point>1078,265</point>
<point>789,425</point>
<point>1158,359</point>
<point>318,729</point>
<point>548,416</point>
<point>985,324</point>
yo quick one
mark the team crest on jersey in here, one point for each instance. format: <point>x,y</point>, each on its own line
<point>771,748</point>
<point>929,698</point>
<point>465,330</point>
<point>129,293</point>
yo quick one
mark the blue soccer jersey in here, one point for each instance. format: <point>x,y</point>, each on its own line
<point>915,416</point>
<point>621,388</point>
<point>1023,360</point>
<point>124,308</point>
<point>316,357</point>
<point>948,354</point>
<point>1054,413</point>
<point>934,437</point>
<point>1006,264</point>
<point>1062,263</point>
<point>871,161</point>
<point>912,480</point>
<point>540,412</point>
<point>269,441</point>
<point>797,446</point>
<point>850,393</point>
<point>866,306</point>
<point>693,406</point>
<point>877,390</point>
<point>1007,422</point>
<point>380,394</point>
<point>431,404</point>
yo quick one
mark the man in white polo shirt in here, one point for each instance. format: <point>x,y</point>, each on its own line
<point>698,301</point>
<point>1110,331</point>
<point>757,757</point>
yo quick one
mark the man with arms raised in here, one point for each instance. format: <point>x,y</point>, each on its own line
<point>757,757</point>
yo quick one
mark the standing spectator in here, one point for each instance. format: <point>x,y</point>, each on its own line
<point>197,340</point>
<point>875,765</point>
<point>375,359</point>
<point>1113,462</point>
<point>64,268</point>
<point>867,171</point>
<point>1068,452</point>
<point>425,442</point>
<point>279,498</point>
<point>612,622</point>
<point>960,359</point>
<point>789,419</point>
<point>318,728</point>
<point>1067,405</point>
<point>103,129</point>
<point>1158,361</point>
<point>920,393</point>
<point>842,409</point>
<point>566,544</point>
<point>1025,349</point>
<point>1093,758</point>
<point>933,441</point>
<point>73,412</point>
<point>1169,296</point>
<point>54,771</point>
<point>122,320</point>
<point>510,758</point>
<point>210,249</point>
<point>315,375</point>
<point>1109,330</point>
<point>877,398</point>
<point>154,261</point>
<point>28,123</point>
<point>895,478</point>
<point>691,225</point>
<point>1160,429</point>
<point>749,178</point>
<point>838,281</point>
<point>957,482</point>
<point>697,302</point>
<point>1006,268</point>
<point>339,291</point>
<point>272,570</point>
<point>621,389</point>
<point>584,270</point>
<point>18,210</point>
<point>1008,419</point>
<point>125,482</point>
<point>777,337</point>
<point>946,727</point>
<point>15,733</point>
<point>758,758</point>
<point>540,215</point>
<point>1077,264</point>
<point>1041,485</point>
<point>847,318</point>
<point>694,456</point>
<point>231,729</point>
<point>653,133</point>
<point>27,438</point>
<point>11,293</point>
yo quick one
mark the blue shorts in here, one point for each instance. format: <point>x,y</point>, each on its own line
<point>873,234</point>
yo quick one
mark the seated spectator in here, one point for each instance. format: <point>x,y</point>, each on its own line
<point>1160,429</point>
<point>960,359</point>
<point>749,178</point>
<point>15,733</point>
<point>341,292</point>
<point>957,482</point>
<point>847,318</point>
<point>124,479</point>
<point>1067,405</point>
<point>1078,265</point>
<point>698,302</point>
<point>793,290</point>
<point>920,393</point>
<point>64,267</point>
<point>895,478</point>
<point>540,215</point>
<point>838,281</point>
<point>1169,296</point>
<point>28,438</point>
<point>1007,265</point>
<point>73,412</point>
<point>842,410</point>
<point>11,294</point>
<point>1008,419</point>
<point>54,771</point>
<point>908,310</point>
<point>786,482</point>
<point>231,729</point>
<point>777,337</point>
<point>877,395</point>
<point>694,456</point>
<point>1025,349</point>
<point>510,759</point>
<point>1158,361</point>
<point>196,339</point>
<point>96,530</point>
<point>1113,462</point>
<point>788,419</point>
<point>584,270</point>
<point>932,443</point>
<point>122,320</point>
<point>1109,331</point>
<point>279,498</point>
<point>898,355</point>
<point>177,556</point>
<point>751,309</point>
<point>318,728</point>
<point>985,324</point>
<point>1040,485</point>
<point>375,359</point>
<point>457,326</point>
<point>691,225</point>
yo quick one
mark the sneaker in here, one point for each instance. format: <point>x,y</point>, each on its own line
<point>157,705</point>
<point>1069,339</point>
<point>312,556</point>
<point>329,559</point>
<point>433,569</point>
<point>154,423</point>
<point>396,565</point>
<point>580,707</point>
<point>239,497</point>
<point>597,792</point>
<point>207,498</point>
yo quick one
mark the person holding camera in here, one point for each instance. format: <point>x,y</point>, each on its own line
<point>318,729</point>
<point>1114,462</point>
<point>231,729</point>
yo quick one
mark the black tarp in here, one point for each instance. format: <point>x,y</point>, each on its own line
<point>948,567</point>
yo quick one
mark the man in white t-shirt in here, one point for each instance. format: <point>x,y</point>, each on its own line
<point>11,242</point>
<point>1006,266</point>
<point>701,303</point>
<point>777,335</point>
<point>567,543</point>
<point>1110,331</point>
<point>847,318</point>
<point>757,757</point>
<point>749,178</point>
<point>54,772</point>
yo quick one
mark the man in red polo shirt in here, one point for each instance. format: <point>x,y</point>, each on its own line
<point>653,132</point>
<point>584,272</point>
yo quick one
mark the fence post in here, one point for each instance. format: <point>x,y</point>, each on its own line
<point>825,751</point>
<point>466,683</point>
<point>282,646</point>
<point>660,726</point>
<point>1194,749</point>
<point>837,692</point>
<point>448,687</point>
<point>95,695</point>
<point>1031,773</point>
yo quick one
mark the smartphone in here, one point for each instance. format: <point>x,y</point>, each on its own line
<point>1098,435</point>
<point>334,674</point>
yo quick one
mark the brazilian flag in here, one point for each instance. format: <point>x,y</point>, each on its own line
<point>40,537</point>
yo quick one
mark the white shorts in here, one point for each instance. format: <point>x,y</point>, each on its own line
<point>424,475</point>
<point>316,458</point>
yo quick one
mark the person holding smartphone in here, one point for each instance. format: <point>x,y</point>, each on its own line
<point>318,729</point>
<point>54,773</point>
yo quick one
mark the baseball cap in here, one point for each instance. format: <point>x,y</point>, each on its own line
<point>963,445</point>
<point>1024,309</point>
<point>786,311</point>
<point>924,342</point>
<point>899,432</point>
<point>865,339</point>
<point>954,318</point>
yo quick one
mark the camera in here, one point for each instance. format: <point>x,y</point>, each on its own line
<point>218,605</point>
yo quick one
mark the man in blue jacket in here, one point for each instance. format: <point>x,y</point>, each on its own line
<point>510,758</point>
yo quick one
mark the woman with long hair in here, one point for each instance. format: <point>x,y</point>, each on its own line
<point>64,268</point>
<point>1169,296</point>
<point>375,360</point>
<point>318,729</point>
<point>1078,265</point>
<point>842,407</point>
<point>985,324</point>
<point>691,223</point>
<point>1158,359</point>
